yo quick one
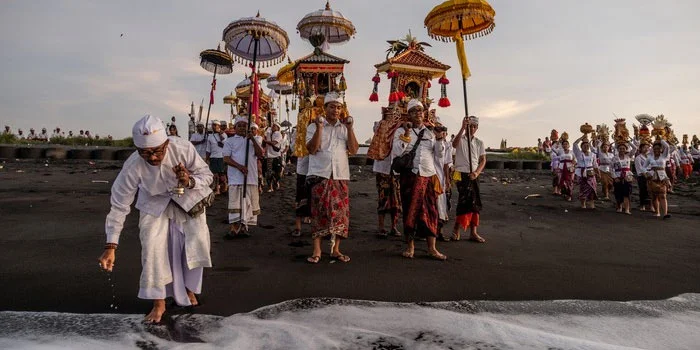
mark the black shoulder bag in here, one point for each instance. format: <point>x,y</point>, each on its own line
<point>404,162</point>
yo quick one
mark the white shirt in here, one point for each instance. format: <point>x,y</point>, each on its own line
<point>153,184</point>
<point>202,147</point>
<point>276,137</point>
<point>303,165</point>
<point>234,147</point>
<point>622,166</point>
<point>424,160</point>
<point>461,162</point>
<point>605,161</point>
<point>213,145</point>
<point>331,159</point>
<point>659,163</point>
<point>639,162</point>
<point>584,161</point>
<point>56,134</point>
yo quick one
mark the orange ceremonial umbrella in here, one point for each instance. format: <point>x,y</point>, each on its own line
<point>456,20</point>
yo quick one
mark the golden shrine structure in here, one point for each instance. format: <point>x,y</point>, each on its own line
<point>410,72</point>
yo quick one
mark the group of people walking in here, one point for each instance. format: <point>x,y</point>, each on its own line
<point>617,166</point>
<point>175,185</point>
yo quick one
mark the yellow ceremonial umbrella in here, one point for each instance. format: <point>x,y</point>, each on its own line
<point>456,20</point>
<point>286,73</point>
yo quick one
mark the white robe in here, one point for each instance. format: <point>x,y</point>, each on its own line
<point>157,207</point>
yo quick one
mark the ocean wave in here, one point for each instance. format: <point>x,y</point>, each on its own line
<point>331,323</point>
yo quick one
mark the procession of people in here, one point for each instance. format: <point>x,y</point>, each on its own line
<point>652,159</point>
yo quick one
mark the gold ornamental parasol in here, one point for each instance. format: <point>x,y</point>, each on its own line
<point>231,100</point>
<point>456,20</point>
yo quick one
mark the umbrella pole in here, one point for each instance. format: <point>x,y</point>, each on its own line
<point>469,130</point>
<point>250,110</point>
<point>206,124</point>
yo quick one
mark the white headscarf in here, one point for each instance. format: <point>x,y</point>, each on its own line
<point>413,104</point>
<point>474,119</point>
<point>149,132</point>
<point>332,97</point>
<point>240,119</point>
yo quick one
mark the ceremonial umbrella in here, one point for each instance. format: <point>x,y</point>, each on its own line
<point>325,27</point>
<point>217,62</point>
<point>231,100</point>
<point>456,20</point>
<point>255,41</point>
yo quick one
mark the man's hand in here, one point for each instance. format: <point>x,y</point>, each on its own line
<point>465,123</point>
<point>183,176</point>
<point>473,176</point>
<point>106,260</point>
<point>349,122</point>
<point>242,169</point>
<point>407,128</point>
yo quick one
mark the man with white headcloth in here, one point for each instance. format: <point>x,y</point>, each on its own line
<point>469,163</point>
<point>243,210</point>
<point>173,230</point>
<point>329,141</point>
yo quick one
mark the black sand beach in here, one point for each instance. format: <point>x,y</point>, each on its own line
<point>538,248</point>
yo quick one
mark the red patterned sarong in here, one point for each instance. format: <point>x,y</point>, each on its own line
<point>419,202</point>
<point>330,208</point>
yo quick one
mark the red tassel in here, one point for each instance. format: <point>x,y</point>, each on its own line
<point>211,93</point>
<point>443,80</point>
<point>401,95</point>
<point>444,102</point>
<point>429,84</point>
<point>393,97</point>
<point>376,78</point>
<point>374,97</point>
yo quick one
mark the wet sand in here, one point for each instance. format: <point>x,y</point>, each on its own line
<point>538,248</point>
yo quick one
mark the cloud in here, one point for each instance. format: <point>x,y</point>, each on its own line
<point>508,108</point>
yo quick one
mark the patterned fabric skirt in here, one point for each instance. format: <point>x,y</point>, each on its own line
<point>606,179</point>
<point>556,174</point>
<point>303,209</point>
<point>330,207</point>
<point>566,181</point>
<point>643,190</point>
<point>587,188</point>
<point>243,210</point>
<point>388,194</point>
<point>672,173</point>
<point>419,202</point>
<point>623,189</point>
<point>469,200</point>
<point>657,187</point>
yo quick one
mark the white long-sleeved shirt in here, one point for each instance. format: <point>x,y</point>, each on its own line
<point>153,184</point>
<point>331,159</point>
<point>656,166</point>
<point>585,161</point>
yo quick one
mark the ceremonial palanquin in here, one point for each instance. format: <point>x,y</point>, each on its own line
<point>410,72</point>
<point>318,73</point>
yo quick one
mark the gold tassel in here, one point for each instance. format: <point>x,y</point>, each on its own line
<point>462,55</point>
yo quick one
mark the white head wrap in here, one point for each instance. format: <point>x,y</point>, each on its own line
<point>253,126</point>
<point>240,119</point>
<point>414,103</point>
<point>149,132</point>
<point>215,122</point>
<point>474,120</point>
<point>332,97</point>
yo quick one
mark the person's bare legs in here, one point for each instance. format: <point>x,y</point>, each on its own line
<point>583,204</point>
<point>626,205</point>
<point>408,253</point>
<point>395,223</point>
<point>380,223</point>
<point>664,205</point>
<point>316,255</point>
<point>192,297</point>
<point>432,250</point>
<point>456,231</point>
<point>474,236</point>
<point>157,312</point>
<point>335,250</point>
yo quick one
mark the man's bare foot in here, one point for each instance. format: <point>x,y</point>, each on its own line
<point>474,237</point>
<point>157,312</point>
<point>193,298</point>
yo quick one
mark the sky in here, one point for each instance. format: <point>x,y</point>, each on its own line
<point>548,63</point>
